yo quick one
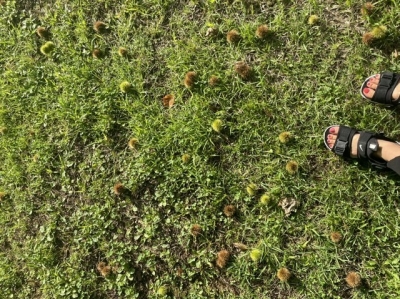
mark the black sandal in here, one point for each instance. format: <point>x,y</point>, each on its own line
<point>383,93</point>
<point>367,145</point>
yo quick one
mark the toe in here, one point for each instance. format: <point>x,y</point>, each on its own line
<point>368,92</point>
<point>371,84</point>
<point>334,130</point>
<point>374,80</point>
<point>332,140</point>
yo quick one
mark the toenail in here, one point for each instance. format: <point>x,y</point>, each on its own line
<point>366,90</point>
<point>332,130</point>
<point>368,84</point>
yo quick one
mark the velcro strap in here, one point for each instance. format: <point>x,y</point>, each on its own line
<point>389,98</point>
<point>341,145</point>
<point>382,94</point>
<point>362,151</point>
<point>386,79</point>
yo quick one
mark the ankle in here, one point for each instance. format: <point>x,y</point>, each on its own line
<point>388,150</point>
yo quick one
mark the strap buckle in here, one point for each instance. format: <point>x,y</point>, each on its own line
<point>340,147</point>
<point>373,146</point>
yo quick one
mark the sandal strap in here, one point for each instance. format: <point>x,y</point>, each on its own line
<point>366,145</point>
<point>396,81</point>
<point>394,165</point>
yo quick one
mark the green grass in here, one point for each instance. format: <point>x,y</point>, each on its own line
<point>64,145</point>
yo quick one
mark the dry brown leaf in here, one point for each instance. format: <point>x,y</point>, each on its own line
<point>289,205</point>
<point>211,31</point>
<point>240,246</point>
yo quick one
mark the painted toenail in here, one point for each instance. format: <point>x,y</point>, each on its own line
<point>366,90</point>
<point>368,84</point>
<point>332,130</point>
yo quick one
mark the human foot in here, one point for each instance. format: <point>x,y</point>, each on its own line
<point>382,88</point>
<point>332,137</point>
<point>380,151</point>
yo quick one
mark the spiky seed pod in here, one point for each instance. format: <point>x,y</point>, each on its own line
<point>118,189</point>
<point>255,255</point>
<point>367,8</point>
<point>190,79</point>
<point>251,189</point>
<point>47,48</point>
<point>97,53</point>
<point>104,269</point>
<point>99,27</point>
<point>42,32</point>
<point>353,279</point>
<point>123,52</point>
<point>196,230</point>
<point>243,70</point>
<point>229,210</point>
<point>222,258</point>
<point>313,20</point>
<point>125,86</point>
<point>162,291</point>
<point>336,237</point>
<point>217,125</point>
<point>292,167</point>
<point>379,31</point>
<point>132,143</point>
<point>262,31</point>
<point>368,38</point>
<point>283,274</point>
<point>168,100</point>
<point>233,37</point>
<point>2,195</point>
<point>240,246</point>
<point>214,81</point>
<point>186,158</point>
<point>284,137</point>
<point>265,199</point>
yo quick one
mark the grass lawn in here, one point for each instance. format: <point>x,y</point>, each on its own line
<point>147,148</point>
